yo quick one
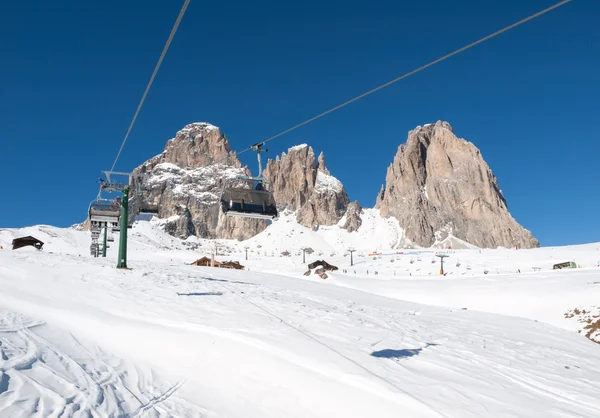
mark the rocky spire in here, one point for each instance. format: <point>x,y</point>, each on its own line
<point>322,167</point>
<point>353,219</point>
<point>302,183</point>
<point>439,184</point>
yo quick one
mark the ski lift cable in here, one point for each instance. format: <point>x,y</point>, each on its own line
<point>162,56</point>
<point>423,67</point>
<point>320,115</point>
<point>408,74</point>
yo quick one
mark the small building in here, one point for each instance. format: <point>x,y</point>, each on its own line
<point>205,262</point>
<point>25,241</point>
<point>565,265</point>
<point>322,263</point>
<point>231,265</point>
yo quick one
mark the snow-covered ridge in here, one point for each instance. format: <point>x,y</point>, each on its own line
<point>297,147</point>
<point>185,131</point>
<point>202,125</point>
<point>326,182</point>
<point>375,233</point>
<point>197,182</point>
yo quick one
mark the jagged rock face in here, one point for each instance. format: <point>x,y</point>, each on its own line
<point>380,197</point>
<point>187,178</point>
<point>321,165</point>
<point>292,177</point>
<point>199,145</point>
<point>301,184</point>
<point>439,184</point>
<point>353,219</point>
<point>186,182</point>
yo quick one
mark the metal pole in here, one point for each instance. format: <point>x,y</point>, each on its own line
<point>246,254</point>
<point>259,163</point>
<point>122,263</point>
<point>441,256</point>
<point>351,259</point>
<point>104,242</point>
<point>303,255</point>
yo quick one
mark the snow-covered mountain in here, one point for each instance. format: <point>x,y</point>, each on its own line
<point>439,191</point>
<point>186,181</point>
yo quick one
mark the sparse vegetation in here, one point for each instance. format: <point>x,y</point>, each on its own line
<point>591,321</point>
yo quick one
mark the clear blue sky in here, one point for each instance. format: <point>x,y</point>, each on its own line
<point>72,74</point>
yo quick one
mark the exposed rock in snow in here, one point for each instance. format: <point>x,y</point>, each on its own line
<point>300,184</point>
<point>438,186</point>
<point>322,167</point>
<point>186,181</point>
<point>438,180</point>
<point>353,220</point>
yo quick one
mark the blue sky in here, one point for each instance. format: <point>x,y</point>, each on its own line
<point>72,74</point>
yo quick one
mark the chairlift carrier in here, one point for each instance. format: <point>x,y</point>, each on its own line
<point>104,210</point>
<point>253,202</point>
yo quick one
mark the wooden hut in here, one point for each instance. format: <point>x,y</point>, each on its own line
<point>25,241</point>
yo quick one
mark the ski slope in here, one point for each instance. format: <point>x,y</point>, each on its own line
<point>82,338</point>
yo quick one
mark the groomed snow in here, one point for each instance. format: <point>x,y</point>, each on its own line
<point>82,338</point>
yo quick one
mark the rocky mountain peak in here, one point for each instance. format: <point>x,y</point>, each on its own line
<point>302,183</point>
<point>292,177</point>
<point>187,177</point>
<point>321,164</point>
<point>186,181</point>
<point>199,145</point>
<point>439,184</point>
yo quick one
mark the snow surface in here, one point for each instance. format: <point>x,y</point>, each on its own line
<point>297,147</point>
<point>326,182</point>
<point>81,338</point>
<point>204,125</point>
<point>285,234</point>
<point>200,183</point>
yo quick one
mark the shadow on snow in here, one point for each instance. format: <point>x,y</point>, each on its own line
<point>397,354</point>
<point>201,294</point>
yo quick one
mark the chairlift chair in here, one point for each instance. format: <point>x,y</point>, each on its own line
<point>248,203</point>
<point>254,201</point>
<point>149,208</point>
<point>104,210</point>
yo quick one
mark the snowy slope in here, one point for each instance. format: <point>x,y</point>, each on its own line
<point>285,234</point>
<point>47,371</point>
<point>169,339</point>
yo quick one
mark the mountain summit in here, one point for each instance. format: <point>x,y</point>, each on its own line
<point>438,187</point>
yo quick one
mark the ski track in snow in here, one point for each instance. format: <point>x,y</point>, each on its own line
<point>47,372</point>
<point>80,338</point>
